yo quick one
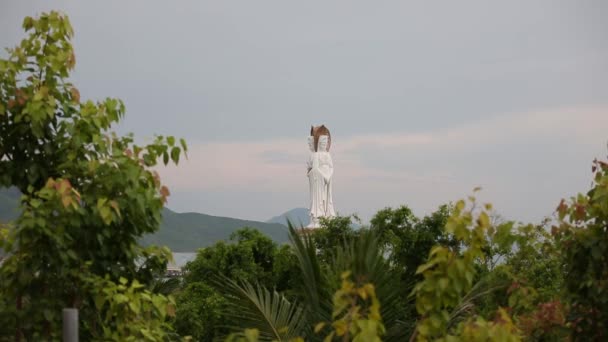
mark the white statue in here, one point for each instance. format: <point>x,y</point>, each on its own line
<point>320,172</point>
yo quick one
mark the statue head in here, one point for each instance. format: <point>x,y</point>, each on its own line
<point>316,132</point>
<point>323,143</point>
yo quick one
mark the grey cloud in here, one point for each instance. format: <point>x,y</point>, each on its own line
<point>232,70</point>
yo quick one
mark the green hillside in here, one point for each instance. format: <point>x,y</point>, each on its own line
<point>186,232</point>
<point>181,232</point>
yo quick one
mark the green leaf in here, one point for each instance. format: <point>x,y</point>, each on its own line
<point>484,220</point>
<point>106,215</point>
<point>28,23</point>
<point>120,298</point>
<point>252,335</point>
<point>101,201</point>
<point>135,306</point>
<point>175,154</point>
<point>72,254</point>
<point>48,314</point>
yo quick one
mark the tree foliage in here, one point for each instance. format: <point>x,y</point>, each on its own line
<point>582,237</point>
<point>200,312</point>
<point>356,313</point>
<point>248,261</point>
<point>87,196</point>
<point>248,255</point>
<point>449,274</point>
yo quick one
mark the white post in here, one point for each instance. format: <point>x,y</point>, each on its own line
<point>70,325</point>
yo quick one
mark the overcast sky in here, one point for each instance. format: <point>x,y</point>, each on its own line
<point>424,101</point>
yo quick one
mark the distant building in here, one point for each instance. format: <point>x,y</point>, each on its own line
<point>175,267</point>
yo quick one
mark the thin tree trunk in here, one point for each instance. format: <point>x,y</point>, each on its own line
<point>19,305</point>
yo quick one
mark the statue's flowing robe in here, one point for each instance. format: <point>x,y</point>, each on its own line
<point>320,185</point>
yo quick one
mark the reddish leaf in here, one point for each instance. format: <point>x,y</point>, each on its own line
<point>561,209</point>
<point>164,193</point>
<point>580,212</point>
<point>75,95</point>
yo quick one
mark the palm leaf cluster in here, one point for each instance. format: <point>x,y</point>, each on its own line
<point>254,306</point>
<point>278,318</point>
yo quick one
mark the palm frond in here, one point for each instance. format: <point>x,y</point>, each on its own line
<point>254,306</point>
<point>165,286</point>
<point>364,258</point>
<point>314,287</point>
<point>467,304</point>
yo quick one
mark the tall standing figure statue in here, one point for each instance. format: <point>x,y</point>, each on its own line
<point>320,172</point>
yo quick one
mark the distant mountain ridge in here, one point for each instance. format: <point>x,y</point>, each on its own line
<point>181,232</point>
<point>297,216</point>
